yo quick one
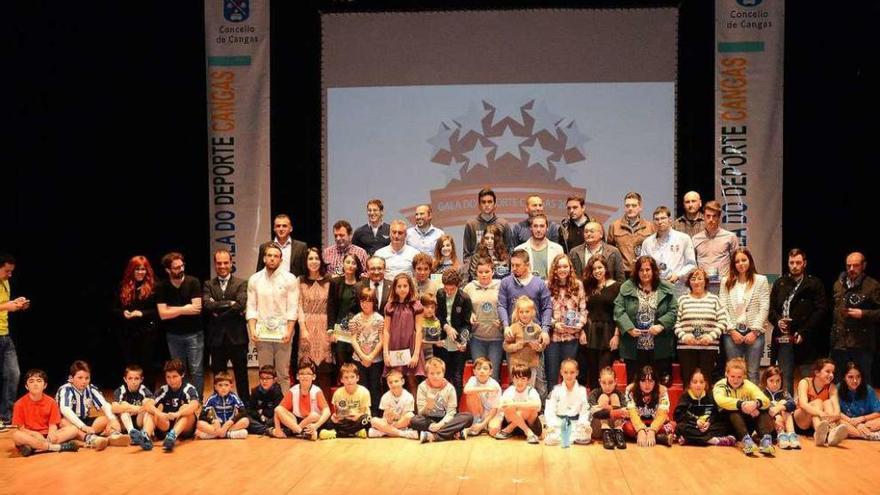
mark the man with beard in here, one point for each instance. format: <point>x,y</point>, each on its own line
<point>423,236</point>
<point>797,311</point>
<point>628,232</point>
<point>224,298</point>
<point>541,251</point>
<point>523,230</point>
<point>333,255</point>
<point>9,370</point>
<point>375,234</point>
<point>856,317</point>
<point>273,302</point>
<point>692,222</point>
<point>572,228</point>
<point>714,247</point>
<point>293,252</point>
<point>179,302</point>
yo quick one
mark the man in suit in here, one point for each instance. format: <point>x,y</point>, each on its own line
<point>593,245</point>
<point>293,252</point>
<point>376,280</point>
<point>224,300</point>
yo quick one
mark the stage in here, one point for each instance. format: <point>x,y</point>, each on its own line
<point>480,465</point>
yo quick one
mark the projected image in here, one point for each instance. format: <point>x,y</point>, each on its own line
<point>441,144</point>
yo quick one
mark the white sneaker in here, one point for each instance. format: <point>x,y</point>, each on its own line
<point>783,441</point>
<point>237,434</point>
<point>409,433</point>
<point>374,433</point>
<point>820,436</point>
<point>837,435</point>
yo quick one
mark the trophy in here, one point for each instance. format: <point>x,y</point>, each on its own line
<point>341,331</point>
<point>785,334</point>
<point>464,335</point>
<point>743,329</point>
<point>433,334</point>
<point>271,329</point>
<point>713,275</point>
<point>532,333</point>
<point>644,320</point>
<point>698,331</point>
<point>501,271</point>
<point>854,300</point>
<point>662,266</point>
<point>570,319</point>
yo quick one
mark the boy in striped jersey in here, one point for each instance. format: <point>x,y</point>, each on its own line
<point>80,403</point>
<point>175,405</point>
<point>128,403</point>
<point>224,414</point>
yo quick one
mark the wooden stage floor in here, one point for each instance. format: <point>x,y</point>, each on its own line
<point>481,466</point>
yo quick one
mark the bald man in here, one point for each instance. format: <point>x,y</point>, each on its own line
<point>856,317</point>
<point>593,245</point>
<point>692,221</point>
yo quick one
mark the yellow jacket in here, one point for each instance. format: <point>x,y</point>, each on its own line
<point>730,399</point>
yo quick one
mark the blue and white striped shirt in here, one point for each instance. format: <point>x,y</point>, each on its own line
<point>75,404</point>
<point>224,407</point>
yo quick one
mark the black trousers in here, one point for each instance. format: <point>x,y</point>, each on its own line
<point>661,366</point>
<point>693,435</point>
<point>371,377</point>
<point>237,353</point>
<point>348,427</point>
<point>593,362</point>
<point>459,422</point>
<point>743,424</point>
<point>691,359</point>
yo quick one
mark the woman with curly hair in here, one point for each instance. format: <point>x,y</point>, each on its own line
<point>569,314</point>
<point>136,307</point>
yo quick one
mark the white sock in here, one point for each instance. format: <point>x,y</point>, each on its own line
<point>126,421</point>
<point>713,441</point>
<point>237,434</point>
<point>54,447</point>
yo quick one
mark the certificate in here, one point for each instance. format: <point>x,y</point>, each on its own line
<point>399,358</point>
<point>271,329</point>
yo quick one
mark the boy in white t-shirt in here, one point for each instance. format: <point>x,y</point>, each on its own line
<point>521,404</point>
<point>398,408</point>
<point>482,394</point>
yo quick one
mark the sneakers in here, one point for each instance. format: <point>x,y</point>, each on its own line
<point>168,443</point>
<point>665,439</point>
<point>608,439</point>
<point>793,441</point>
<point>503,435</point>
<point>532,438</point>
<point>119,440</point>
<point>237,434</point>
<point>749,447</point>
<point>409,433</point>
<point>374,433</point>
<point>837,435</point>
<point>327,434</point>
<point>362,433</point>
<point>462,435</point>
<point>312,437</point>
<point>426,436</point>
<point>26,450</point>
<point>69,447</point>
<point>727,441</point>
<point>97,442</point>
<point>820,436</point>
<point>619,439</point>
<point>138,437</point>
<point>585,436</point>
<point>766,447</point>
<point>4,425</point>
<point>783,441</point>
<point>875,436</point>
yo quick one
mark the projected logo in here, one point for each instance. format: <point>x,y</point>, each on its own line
<point>517,147</point>
<point>236,10</point>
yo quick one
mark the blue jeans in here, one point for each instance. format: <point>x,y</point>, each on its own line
<point>190,349</point>
<point>752,354</point>
<point>865,360</point>
<point>10,377</point>
<point>785,361</point>
<point>556,353</point>
<point>492,349</point>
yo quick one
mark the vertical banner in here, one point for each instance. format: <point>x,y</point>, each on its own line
<point>237,50</point>
<point>749,37</point>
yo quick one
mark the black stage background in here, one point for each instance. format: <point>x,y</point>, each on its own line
<point>108,143</point>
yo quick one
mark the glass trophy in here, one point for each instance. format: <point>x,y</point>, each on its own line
<point>271,329</point>
<point>532,333</point>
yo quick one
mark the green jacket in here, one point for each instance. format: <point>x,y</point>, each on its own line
<point>627,305</point>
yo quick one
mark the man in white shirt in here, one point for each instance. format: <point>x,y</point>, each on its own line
<point>672,250</point>
<point>273,298</point>
<point>423,236</point>
<point>398,255</point>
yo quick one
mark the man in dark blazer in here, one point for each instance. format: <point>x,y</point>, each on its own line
<point>376,280</point>
<point>224,301</point>
<point>293,252</point>
<point>593,244</point>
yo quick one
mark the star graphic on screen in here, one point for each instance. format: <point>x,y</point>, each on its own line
<point>451,172</point>
<point>440,141</point>
<point>564,170</point>
<point>478,155</point>
<point>472,120</point>
<point>543,118</point>
<point>537,154</point>
<point>508,143</point>
<point>507,107</point>
<point>573,137</point>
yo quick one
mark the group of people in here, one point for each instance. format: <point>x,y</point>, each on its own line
<point>394,308</point>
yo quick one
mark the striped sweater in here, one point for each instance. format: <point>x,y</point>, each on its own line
<point>697,317</point>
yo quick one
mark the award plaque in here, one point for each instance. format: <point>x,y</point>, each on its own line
<point>714,275</point>
<point>399,358</point>
<point>341,332</point>
<point>432,334</point>
<point>464,335</point>
<point>532,333</point>
<point>570,319</point>
<point>271,329</point>
<point>644,320</point>
<point>743,329</point>
<point>854,300</point>
<point>698,331</point>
